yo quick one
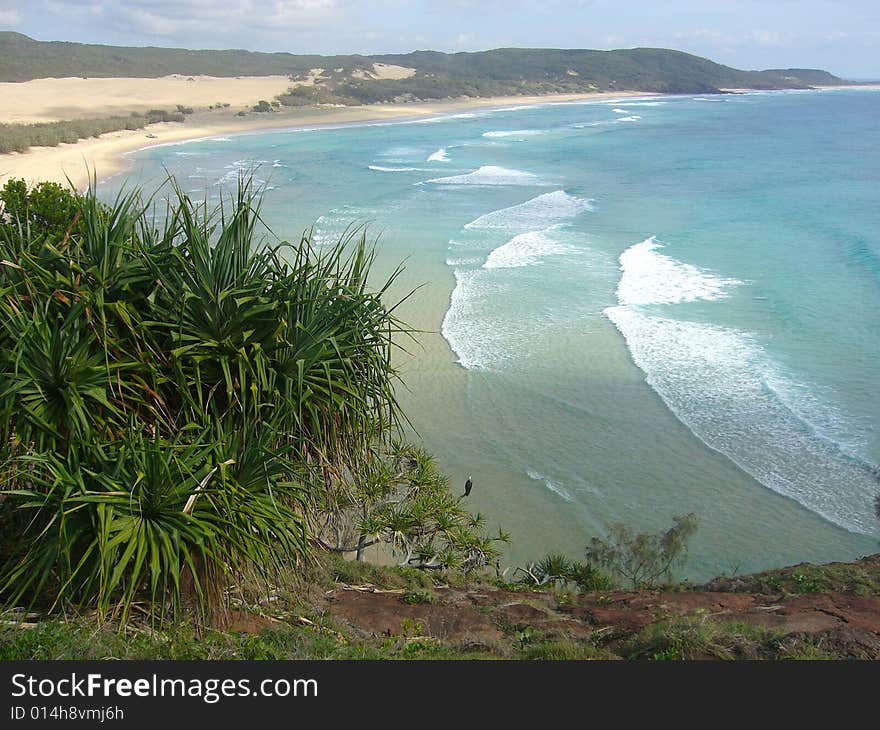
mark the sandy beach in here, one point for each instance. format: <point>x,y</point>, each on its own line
<point>53,99</point>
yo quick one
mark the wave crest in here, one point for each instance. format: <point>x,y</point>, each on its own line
<point>490,175</point>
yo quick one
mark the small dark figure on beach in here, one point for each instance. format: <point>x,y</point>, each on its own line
<point>468,485</point>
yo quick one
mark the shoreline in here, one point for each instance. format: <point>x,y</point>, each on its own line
<point>105,156</point>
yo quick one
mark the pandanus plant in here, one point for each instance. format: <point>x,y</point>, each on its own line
<point>176,395</point>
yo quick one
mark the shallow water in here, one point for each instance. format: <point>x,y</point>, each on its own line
<point>632,309</point>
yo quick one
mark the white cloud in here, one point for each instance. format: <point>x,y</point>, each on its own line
<point>768,38</point>
<point>178,18</point>
<point>9,17</point>
<point>463,40</point>
<point>199,20</point>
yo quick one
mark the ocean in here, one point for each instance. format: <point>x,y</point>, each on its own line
<point>629,308</point>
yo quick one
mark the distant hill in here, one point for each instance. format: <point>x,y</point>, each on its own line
<point>23,58</point>
<point>349,79</point>
<point>810,76</point>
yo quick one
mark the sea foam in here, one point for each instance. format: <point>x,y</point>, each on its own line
<point>503,133</point>
<point>439,156</point>
<point>536,213</point>
<point>490,175</point>
<point>520,236</point>
<point>650,277</point>
<point>527,249</point>
<point>553,486</point>
<point>380,168</point>
<point>724,386</point>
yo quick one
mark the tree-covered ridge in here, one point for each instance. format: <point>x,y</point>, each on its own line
<point>23,58</point>
<point>438,75</point>
<point>644,69</point>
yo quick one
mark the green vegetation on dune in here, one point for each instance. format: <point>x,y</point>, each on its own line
<point>644,69</point>
<point>811,76</point>
<point>24,58</point>
<point>20,137</point>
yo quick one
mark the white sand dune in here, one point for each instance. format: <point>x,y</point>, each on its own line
<point>52,100</point>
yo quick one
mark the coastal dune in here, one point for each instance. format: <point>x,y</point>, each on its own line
<point>53,100</point>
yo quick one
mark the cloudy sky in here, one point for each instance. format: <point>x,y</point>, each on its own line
<point>842,36</point>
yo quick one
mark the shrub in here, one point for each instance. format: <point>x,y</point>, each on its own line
<point>643,558</point>
<point>19,137</point>
<point>693,636</point>
<point>175,390</point>
<point>558,570</point>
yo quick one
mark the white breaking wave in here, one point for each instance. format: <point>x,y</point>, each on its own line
<point>723,385</point>
<point>338,222</point>
<point>439,156</point>
<point>481,337</point>
<point>606,122</point>
<point>554,487</point>
<point>457,328</point>
<point>238,169</point>
<point>620,111</point>
<point>501,134</point>
<point>539,212</point>
<point>716,380</point>
<point>521,236</point>
<point>650,277</point>
<point>490,175</point>
<point>526,249</point>
<point>380,168</point>
<point>463,260</point>
<point>402,154</point>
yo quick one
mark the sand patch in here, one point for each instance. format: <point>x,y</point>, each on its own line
<point>52,100</point>
<point>383,71</point>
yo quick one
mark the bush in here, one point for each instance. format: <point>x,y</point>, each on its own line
<point>644,558</point>
<point>174,394</point>
<point>47,209</point>
<point>558,570</point>
<point>693,636</point>
<point>20,137</point>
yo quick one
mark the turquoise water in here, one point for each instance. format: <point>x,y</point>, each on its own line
<point>631,309</point>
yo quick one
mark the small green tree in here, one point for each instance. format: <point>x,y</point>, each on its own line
<point>558,570</point>
<point>47,209</point>
<point>403,501</point>
<point>644,558</point>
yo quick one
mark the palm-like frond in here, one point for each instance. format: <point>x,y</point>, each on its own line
<point>183,396</point>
